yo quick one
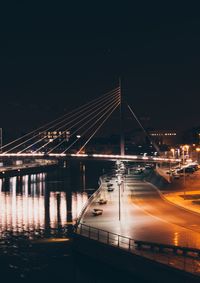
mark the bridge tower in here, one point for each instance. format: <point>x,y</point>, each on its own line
<point>122,142</point>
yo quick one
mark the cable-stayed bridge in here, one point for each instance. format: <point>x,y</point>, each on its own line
<point>69,135</point>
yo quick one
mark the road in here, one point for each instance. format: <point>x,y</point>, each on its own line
<point>144,215</point>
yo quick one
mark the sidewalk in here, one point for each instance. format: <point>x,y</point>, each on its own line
<point>184,192</point>
<point>187,199</point>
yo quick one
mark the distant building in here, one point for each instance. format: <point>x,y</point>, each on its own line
<point>164,137</point>
<point>50,136</point>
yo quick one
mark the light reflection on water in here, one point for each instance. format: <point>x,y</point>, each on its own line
<point>26,204</point>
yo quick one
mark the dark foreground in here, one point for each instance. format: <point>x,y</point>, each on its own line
<point>54,260</point>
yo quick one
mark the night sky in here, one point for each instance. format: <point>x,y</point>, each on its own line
<point>55,57</point>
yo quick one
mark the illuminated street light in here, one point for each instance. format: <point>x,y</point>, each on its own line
<point>0,140</point>
<point>198,150</point>
<point>119,182</point>
<point>173,152</point>
<point>187,150</point>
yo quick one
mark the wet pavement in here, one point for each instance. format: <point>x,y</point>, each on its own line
<point>139,212</point>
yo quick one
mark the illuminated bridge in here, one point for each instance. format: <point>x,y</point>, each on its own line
<point>68,136</point>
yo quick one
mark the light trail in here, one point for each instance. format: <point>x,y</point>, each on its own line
<point>95,156</point>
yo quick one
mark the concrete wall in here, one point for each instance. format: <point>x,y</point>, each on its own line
<point>157,180</point>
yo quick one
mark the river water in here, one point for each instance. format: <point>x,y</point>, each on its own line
<point>38,202</point>
<point>37,207</point>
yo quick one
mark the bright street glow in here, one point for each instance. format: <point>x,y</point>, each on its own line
<point>100,156</point>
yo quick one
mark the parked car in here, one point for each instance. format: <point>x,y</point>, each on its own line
<point>186,170</point>
<point>195,167</point>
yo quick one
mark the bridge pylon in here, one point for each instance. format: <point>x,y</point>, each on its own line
<point>122,141</point>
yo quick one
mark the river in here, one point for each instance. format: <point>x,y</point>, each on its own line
<point>37,207</point>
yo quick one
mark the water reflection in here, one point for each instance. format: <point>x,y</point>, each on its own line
<point>27,204</point>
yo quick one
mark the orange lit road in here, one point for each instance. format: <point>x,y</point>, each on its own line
<point>144,215</point>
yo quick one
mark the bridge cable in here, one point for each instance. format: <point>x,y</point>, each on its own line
<point>103,107</point>
<point>49,128</point>
<point>59,118</point>
<point>104,100</point>
<point>98,128</point>
<point>145,132</point>
<point>108,111</point>
<point>80,121</point>
<point>82,134</point>
<point>82,126</point>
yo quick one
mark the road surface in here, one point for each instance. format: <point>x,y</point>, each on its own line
<point>144,215</point>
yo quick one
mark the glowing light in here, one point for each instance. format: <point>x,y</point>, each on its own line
<point>103,156</point>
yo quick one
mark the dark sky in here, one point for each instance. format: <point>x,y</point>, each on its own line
<point>55,56</point>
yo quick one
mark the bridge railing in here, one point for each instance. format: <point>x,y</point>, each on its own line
<point>89,201</point>
<point>184,258</point>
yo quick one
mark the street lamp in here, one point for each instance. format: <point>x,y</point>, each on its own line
<point>173,152</point>
<point>119,186</point>
<point>187,150</point>
<point>198,150</point>
<point>0,140</point>
<point>119,182</point>
<point>183,155</point>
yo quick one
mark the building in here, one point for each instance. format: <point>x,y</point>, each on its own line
<point>50,136</point>
<point>164,137</point>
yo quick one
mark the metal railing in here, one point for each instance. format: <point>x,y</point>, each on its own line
<point>89,201</point>
<point>187,259</point>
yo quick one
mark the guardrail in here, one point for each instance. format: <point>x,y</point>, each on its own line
<point>92,197</point>
<point>184,258</point>
<point>192,252</point>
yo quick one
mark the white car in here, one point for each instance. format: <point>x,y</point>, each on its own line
<point>97,211</point>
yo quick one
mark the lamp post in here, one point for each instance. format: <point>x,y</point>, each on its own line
<point>183,155</point>
<point>187,150</point>
<point>184,192</point>
<point>119,185</point>
<point>173,152</point>
<point>0,140</point>
<point>198,150</point>
<point>119,182</point>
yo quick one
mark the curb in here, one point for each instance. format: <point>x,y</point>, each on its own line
<point>172,203</point>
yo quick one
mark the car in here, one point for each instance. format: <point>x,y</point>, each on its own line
<point>102,201</point>
<point>110,189</point>
<point>195,167</point>
<point>186,170</point>
<point>176,176</point>
<point>97,211</point>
